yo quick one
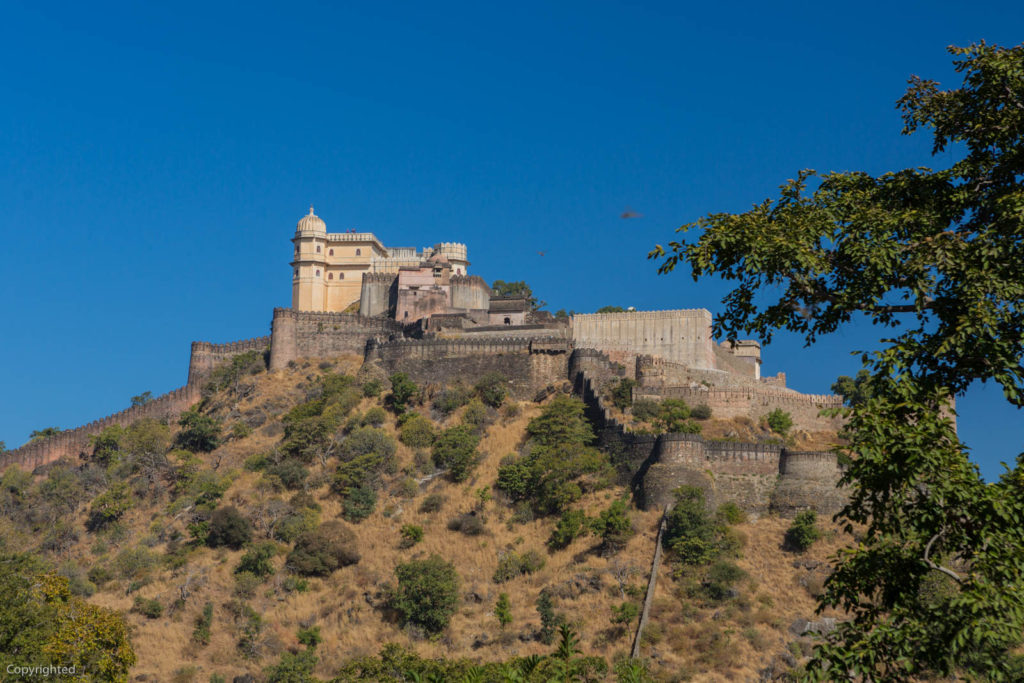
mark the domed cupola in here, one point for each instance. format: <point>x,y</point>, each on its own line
<point>311,223</point>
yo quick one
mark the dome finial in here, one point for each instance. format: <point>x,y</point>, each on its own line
<point>310,209</point>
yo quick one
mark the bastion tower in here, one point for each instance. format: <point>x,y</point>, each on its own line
<point>328,267</point>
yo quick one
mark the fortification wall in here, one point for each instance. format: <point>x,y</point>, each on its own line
<point>71,442</point>
<point>540,331</point>
<point>377,294</point>
<point>754,402</point>
<point>440,361</point>
<point>206,356</point>
<point>308,334</point>
<point>683,336</point>
<point>470,292</point>
<point>759,477</point>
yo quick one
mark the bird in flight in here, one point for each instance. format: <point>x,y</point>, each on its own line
<point>540,253</point>
<point>629,213</point>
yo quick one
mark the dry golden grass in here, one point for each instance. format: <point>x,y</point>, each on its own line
<point>346,605</point>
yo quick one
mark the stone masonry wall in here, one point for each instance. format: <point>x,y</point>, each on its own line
<point>753,403</point>
<point>206,356</point>
<point>759,477</point>
<point>71,442</point>
<point>683,336</point>
<point>439,362</point>
<point>307,334</point>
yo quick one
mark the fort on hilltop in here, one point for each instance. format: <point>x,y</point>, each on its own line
<point>421,312</point>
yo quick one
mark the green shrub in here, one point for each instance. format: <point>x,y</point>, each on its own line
<point>503,610</point>
<point>403,392</point>
<point>151,609</point>
<point>614,527</point>
<point>674,417</point>
<point>134,563</point>
<point>622,393</point>
<point>246,584</point>
<point>291,472</point>
<point>199,433</point>
<point>803,532</point>
<point>227,375</point>
<point>624,614</point>
<point>470,524</point>
<point>549,619</point>
<point>432,503</point>
<point>455,450</point>
<point>367,441</point>
<point>427,593</point>
<point>257,560</point>
<point>228,528</point>
<point>646,410</point>
<point>201,632</point>
<point>411,535</point>
<point>359,503</point>
<point>571,525</point>
<point>110,506</point>
<point>323,550</point>
<point>294,523</point>
<point>730,513</point>
<point>779,421</point>
<point>99,574</point>
<point>558,456</point>
<point>721,577</point>
<point>310,637</point>
<point>372,388</point>
<point>294,667</point>
<point>416,431</point>
<point>476,415</point>
<point>691,533</point>
<point>512,565</point>
<point>492,389</point>
<point>701,411</point>
<point>375,416</point>
<point>451,399</point>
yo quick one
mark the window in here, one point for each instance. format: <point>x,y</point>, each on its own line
<point>341,276</point>
<point>508,321</point>
<point>318,248</point>
<point>359,252</point>
<point>330,253</point>
<point>330,276</point>
<point>318,272</point>
<point>296,272</point>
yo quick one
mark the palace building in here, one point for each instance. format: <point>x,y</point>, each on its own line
<point>328,267</point>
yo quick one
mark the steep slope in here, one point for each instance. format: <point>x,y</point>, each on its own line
<point>150,561</point>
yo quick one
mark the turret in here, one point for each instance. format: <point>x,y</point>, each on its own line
<point>309,267</point>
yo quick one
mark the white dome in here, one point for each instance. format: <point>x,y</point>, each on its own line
<point>311,223</point>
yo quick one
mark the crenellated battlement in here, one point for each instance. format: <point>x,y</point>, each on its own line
<point>71,442</point>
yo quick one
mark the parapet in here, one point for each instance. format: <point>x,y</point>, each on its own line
<point>640,315</point>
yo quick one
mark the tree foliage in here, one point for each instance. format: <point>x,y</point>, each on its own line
<point>559,460</point>
<point>936,258</point>
<point>427,593</point>
<point>517,290</point>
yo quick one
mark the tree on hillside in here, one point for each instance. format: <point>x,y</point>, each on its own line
<point>517,290</point>
<point>936,258</point>
<point>611,309</point>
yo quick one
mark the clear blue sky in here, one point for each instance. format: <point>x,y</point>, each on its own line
<point>154,160</point>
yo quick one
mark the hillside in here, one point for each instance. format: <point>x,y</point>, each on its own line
<point>144,549</point>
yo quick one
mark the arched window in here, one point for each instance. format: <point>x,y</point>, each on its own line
<point>359,252</point>
<point>341,276</point>
<point>318,248</point>
<point>330,253</point>
<point>508,321</point>
<point>318,272</point>
<point>330,276</point>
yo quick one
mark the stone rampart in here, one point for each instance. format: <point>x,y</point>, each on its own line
<point>377,294</point>
<point>759,477</point>
<point>682,336</point>
<point>753,402</point>
<point>529,364</point>
<point>313,334</point>
<point>71,442</point>
<point>470,292</point>
<point>206,356</point>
